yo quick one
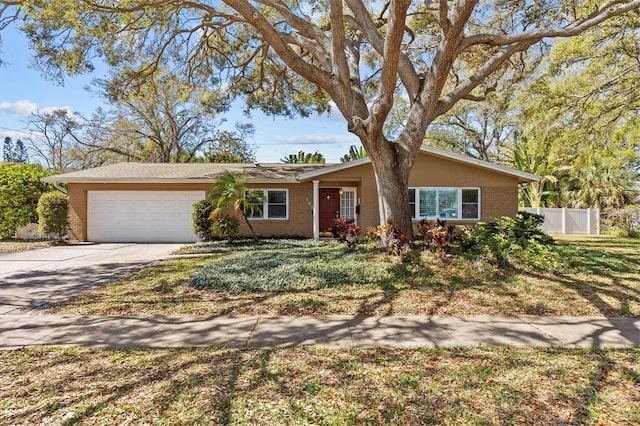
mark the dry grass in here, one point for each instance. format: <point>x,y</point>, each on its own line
<point>14,246</point>
<point>320,386</point>
<point>603,279</point>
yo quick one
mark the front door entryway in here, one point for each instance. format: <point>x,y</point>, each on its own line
<point>329,207</point>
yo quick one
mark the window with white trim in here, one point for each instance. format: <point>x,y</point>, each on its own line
<point>445,203</point>
<point>275,204</point>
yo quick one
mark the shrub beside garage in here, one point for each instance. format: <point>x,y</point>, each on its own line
<point>20,190</point>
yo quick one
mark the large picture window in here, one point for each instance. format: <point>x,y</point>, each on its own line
<point>275,204</point>
<point>445,203</point>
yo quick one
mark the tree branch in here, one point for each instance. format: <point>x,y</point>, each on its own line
<point>406,70</point>
<point>598,16</point>
<point>395,33</point>
<point>253,16</point>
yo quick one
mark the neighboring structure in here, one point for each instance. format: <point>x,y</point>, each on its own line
<point>135,202</point>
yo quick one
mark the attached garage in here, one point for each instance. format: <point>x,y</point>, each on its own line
<point>141,216</point>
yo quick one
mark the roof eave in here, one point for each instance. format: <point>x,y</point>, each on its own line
<point>331,169</point>
<point>52,179</point>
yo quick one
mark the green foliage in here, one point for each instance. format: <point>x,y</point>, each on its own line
<point>226,227</point>
<point>599,182</point>
<point>201,223</point>
<point>507,241</point>
<point>20,189</point>
<point>302,157</point>
<point>355,153</point>
<point>232,147</point>
<point>231,192</point>
<point>53,214</point>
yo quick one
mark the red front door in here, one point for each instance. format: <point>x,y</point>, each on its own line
<point>329,207</point>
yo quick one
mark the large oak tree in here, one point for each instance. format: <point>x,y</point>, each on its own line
<point>291,57</point>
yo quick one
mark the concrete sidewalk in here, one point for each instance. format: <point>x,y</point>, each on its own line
<point>335,331</point>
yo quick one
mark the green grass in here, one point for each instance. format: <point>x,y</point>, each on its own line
<point>583,276</point>
<point>313,385</point>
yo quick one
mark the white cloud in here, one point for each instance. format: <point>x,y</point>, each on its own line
<point>13,134</point>
<point>49,110</point>
<point>23,107</point>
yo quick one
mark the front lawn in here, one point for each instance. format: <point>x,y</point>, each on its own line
<point>586,276</point>
<point>320,386</point>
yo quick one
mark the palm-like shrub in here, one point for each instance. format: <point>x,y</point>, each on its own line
<point>231,192</point>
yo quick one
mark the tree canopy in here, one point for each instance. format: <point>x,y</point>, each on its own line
<point>292,58</point>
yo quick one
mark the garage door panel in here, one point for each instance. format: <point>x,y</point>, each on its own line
<point>141,216</point>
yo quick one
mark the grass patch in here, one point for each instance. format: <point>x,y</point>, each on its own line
<point>313,385</point>
<point>294,270</point>
<point>216,247</point>
<point>15,246</point>
<point>584,276</point>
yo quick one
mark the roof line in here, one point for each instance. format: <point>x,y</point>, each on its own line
<point>526,177</point>
<point>52,179</point>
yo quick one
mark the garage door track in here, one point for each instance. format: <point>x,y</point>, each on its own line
<point>34,279</point>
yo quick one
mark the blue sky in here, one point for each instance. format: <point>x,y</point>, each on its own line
<point>23,91</point>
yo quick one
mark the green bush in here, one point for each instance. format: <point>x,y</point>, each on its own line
<point>53,214</point>
<point>202,225</point>
<point>226,227</point>
<point>20,189</point>
<point>509,240</point>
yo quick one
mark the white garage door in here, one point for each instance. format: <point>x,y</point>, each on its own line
<point>141,216</point>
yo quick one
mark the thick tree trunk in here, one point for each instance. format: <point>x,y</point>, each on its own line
<point>392,179</point>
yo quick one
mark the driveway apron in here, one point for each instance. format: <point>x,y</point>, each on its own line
<point>33,279</point>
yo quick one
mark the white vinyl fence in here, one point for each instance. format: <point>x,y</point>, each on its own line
<point>568,221</point>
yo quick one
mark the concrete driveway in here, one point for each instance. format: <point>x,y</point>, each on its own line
<point>35,278</point>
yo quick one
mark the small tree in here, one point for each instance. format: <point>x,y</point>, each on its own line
<point>231,192</point>
<point>53,211</point>
<point>201,222</point>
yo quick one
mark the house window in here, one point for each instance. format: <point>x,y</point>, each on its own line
<point>412,202</point>
<point>274,204</point>
<point>470,203</point>
<point>348,204</point>
<point>444,203</point>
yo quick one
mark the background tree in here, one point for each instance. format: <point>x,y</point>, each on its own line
<point>231,147</point>
<point>20,189</point>
<point>55,140</point>
<point>304,157</point>
<point>164,117</point>
<point>582,114</point>
<point>14,153</point>
<point>355,153</point>
<point>293,58</point>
